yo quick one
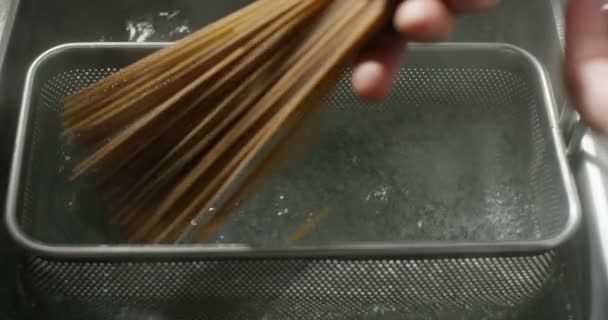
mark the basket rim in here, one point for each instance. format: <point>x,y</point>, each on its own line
<point>441,248</point>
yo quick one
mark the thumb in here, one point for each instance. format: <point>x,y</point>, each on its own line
<point>587,61</point>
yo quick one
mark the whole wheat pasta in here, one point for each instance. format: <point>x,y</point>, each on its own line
<point>200,121</point>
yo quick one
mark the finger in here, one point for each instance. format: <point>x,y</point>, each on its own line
<point>465,6</point>
<point>376,68</point>
<point>587,61</point>
<point>423,20</point>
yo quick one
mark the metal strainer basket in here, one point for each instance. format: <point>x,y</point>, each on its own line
<point>451,193</point>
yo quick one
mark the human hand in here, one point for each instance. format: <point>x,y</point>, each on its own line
<point>587,61</point>
<point>415,20</point>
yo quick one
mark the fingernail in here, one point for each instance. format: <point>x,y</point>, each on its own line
<point>409,14</point>
<point>367,80</point>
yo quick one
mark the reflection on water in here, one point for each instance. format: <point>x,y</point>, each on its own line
<point>166,25</point>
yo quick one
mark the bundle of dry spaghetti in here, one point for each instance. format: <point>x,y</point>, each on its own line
<point>186,123</point>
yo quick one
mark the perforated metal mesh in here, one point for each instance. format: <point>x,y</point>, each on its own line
<point>461,151</point>
<point>463,147</point>
<point>286,289</point>
<point>47,190</point>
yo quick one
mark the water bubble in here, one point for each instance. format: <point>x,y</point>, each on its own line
<point>182,29</point>
<point>140,31</point>
<point>380,194</point>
